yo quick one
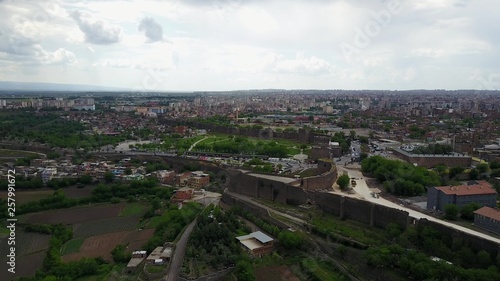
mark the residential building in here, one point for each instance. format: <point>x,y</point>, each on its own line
<point>182,179</point>
<point>198,180</point>
<point>182,195</point>
<point>161,254</point>
<point>488,218</point>
<point>48,174</point>
<point>257,243</point>
<point>137,258</point>
<point>165,176</point>
<point>480,192</point>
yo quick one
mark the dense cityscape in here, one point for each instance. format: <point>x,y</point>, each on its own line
<point>241,140</point>
<point>230,155</point>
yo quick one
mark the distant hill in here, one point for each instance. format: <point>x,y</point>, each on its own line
<point>34,86</point>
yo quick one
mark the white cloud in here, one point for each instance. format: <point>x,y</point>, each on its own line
<point>97,31</point>
<point>231,44</point>
<point>60,56</point>
<point>299,64</point>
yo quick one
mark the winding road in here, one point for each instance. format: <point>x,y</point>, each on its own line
<point>363,191</point>
<point>178,257</point>
<point>271,210</point>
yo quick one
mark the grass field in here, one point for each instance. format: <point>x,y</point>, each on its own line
<point>116,273</point>
<point>321,270</point>
<point>154,222</point>
<point>72,246</point>
<point>293,147</point>
<point>212,139</point>
<point>133,209</point>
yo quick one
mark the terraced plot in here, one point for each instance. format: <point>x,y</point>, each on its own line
<point>111,225</point>
<point>74,215</point>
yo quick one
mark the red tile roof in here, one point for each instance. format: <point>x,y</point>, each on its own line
<point>482,187</point>
<point>489,213</point>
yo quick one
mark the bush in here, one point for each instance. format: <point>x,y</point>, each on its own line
<point>451,212</point>
<point>291,240</point>
<point>343,181</point>
<point>119,255</point>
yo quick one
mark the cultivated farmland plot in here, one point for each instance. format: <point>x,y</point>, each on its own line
<point>111,225</point>
<point>26,266</point>
<point>30,252</point>
<point>28,243</point>
<point>74,215</point>
<point>102,245</point>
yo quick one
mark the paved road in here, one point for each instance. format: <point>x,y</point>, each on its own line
<point>363,192</point>
<point>180,249</point>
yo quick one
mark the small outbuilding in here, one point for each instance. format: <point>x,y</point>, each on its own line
<point>257,243</point>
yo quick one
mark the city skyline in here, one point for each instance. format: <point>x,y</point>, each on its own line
<point>229,45</point>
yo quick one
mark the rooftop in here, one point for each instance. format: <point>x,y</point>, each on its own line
<point>251,244</point>
<point>258,235</point>
<point>489,213</point>
<point>471,188</point>
<point>156,253</point>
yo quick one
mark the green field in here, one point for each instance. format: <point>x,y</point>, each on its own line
<point>212,139</point>
<point>113,272</point>
<point>133,209</point>
<point>222,143</point>
<point>321,270</point>
<point>72,246</point>
<point>154,222</point>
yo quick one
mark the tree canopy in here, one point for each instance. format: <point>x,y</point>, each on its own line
<point>398,177</point>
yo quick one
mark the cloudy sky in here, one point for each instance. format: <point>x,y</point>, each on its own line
<point>254,44</point>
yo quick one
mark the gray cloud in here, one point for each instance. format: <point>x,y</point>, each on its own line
<point>151,29</point>
<point>97,31</point>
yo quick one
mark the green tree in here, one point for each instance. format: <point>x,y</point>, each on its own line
<point>441,169</point>
<point>156,204</point>
<point>244,270</point>
<point>291,240</point>
<point>352,134</point>
<point>119,255</point>
<point>467,211</point>
<point>343,181</point>
<point>456,171</point>
<point>482,167</point>
<point>86,179</point>
<point>109,177</point>
<point>128,171</point>
<point>473,174</point>
<point>494,165</point>
<point>451,212</point>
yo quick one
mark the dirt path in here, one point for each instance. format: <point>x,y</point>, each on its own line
<point>178,258</point>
